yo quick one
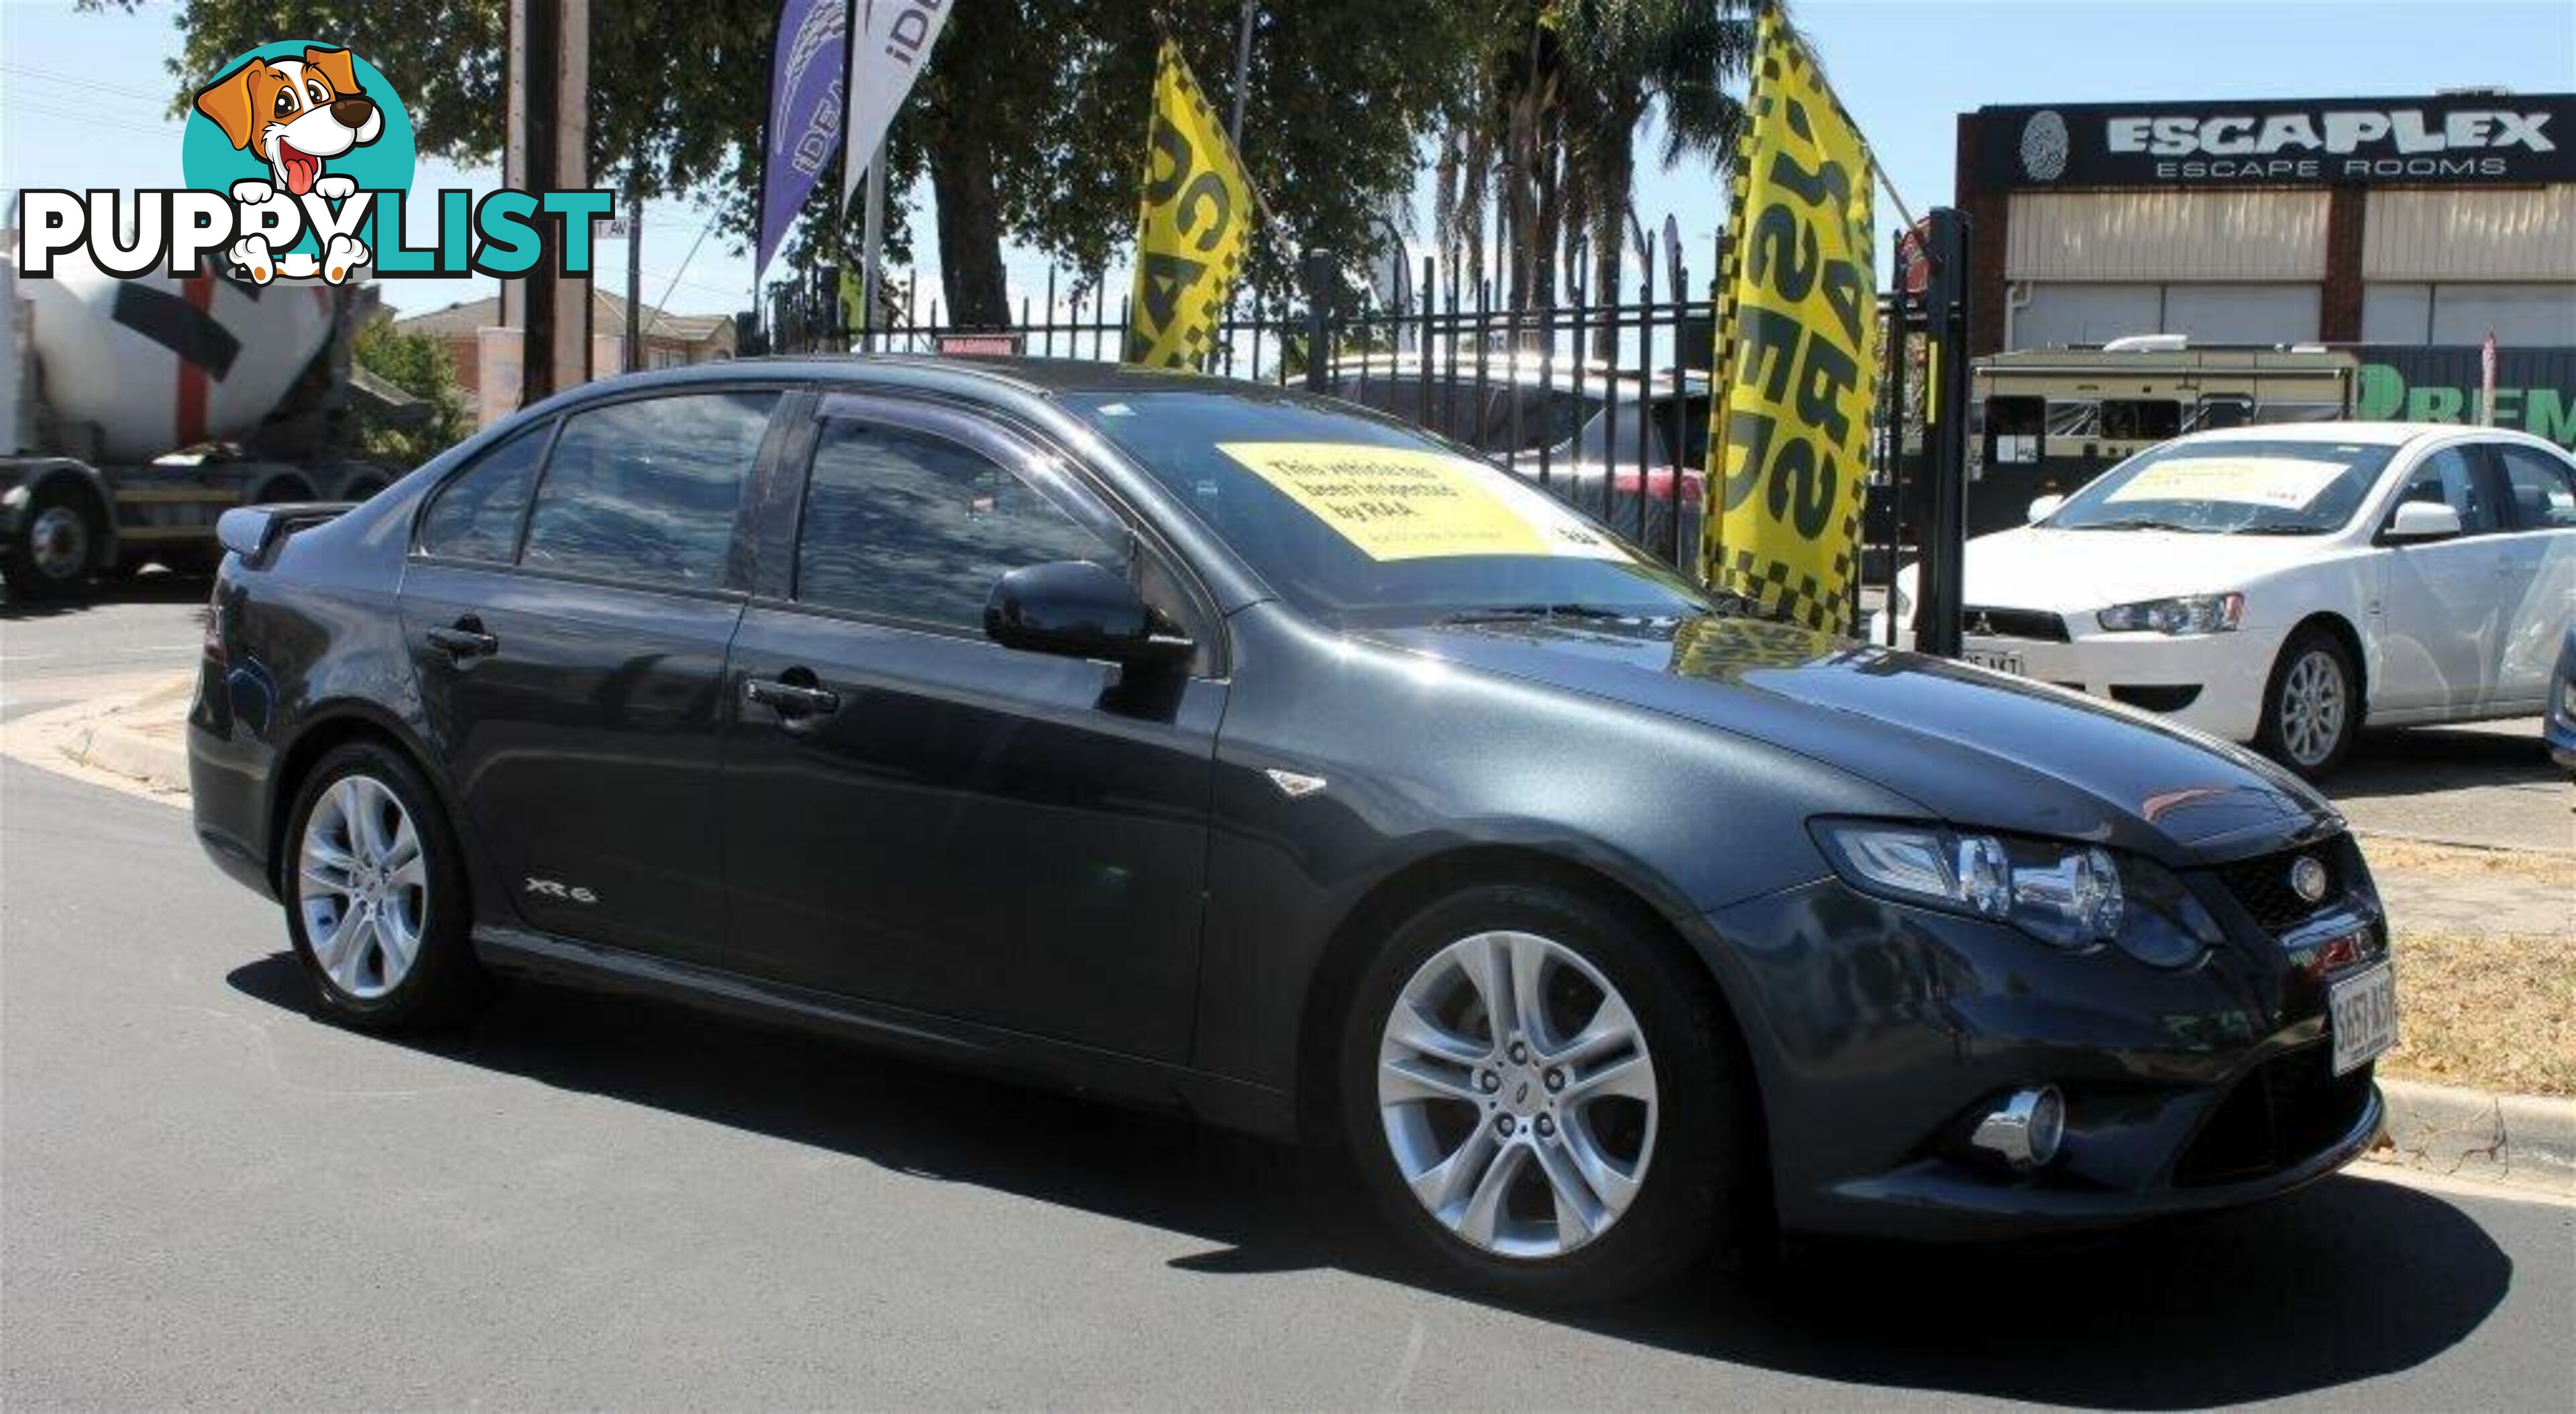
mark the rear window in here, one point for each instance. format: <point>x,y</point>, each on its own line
<point>645,491</point>
<point>477,513</point>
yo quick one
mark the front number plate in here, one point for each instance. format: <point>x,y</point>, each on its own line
<point>2363,1012</point>
<point>1999,662</point>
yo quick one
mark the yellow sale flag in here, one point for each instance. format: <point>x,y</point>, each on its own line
<point>1796,371</point>
<point>1197,215</point>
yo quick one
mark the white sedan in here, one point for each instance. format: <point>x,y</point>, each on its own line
<point>2284,585</point>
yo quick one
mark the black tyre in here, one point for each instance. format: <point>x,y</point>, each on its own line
<point>57,544</point>
<point>375,894</point>
<point>1591,1145</point>
<point>2312,705</point>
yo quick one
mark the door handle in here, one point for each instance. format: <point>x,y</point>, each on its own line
<point>791,700</point>
<point>465,640</point>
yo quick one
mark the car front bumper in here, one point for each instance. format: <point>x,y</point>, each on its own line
<point>1880,1033</point>
<point>2212,682</point>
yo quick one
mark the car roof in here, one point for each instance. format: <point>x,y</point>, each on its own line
<point>2376,434</point>
<point>1036,375</point>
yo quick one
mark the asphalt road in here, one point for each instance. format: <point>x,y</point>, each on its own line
<point>207,1196</point>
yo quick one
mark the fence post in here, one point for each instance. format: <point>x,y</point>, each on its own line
<point>1318,275</point>
<point>1937,600</point>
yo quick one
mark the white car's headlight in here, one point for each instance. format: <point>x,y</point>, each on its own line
<point>2188,613</point>
<point>2066,893</point>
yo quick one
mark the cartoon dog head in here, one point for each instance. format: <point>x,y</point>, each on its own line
<point>294,113</point>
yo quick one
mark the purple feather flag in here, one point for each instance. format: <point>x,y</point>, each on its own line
<point>805,110</point>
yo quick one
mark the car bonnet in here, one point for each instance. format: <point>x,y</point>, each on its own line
<point>1971,747</point>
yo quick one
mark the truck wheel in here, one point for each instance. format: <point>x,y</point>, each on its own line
<point>56,544</point>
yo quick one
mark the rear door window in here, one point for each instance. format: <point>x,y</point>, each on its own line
<point>2541,488</point>
<point>476,515</point>
<point>645,491</point>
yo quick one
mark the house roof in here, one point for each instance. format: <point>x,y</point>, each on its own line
<point>608,315</point>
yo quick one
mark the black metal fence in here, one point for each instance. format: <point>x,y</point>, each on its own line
<point>1602,403</point>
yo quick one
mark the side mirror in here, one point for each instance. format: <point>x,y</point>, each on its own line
<point>2041,508</point>
<point>1078,609</point>
<point>2417,522</point>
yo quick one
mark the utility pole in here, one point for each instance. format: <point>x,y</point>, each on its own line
<point>1242,74</point>
<point>547,149</point>
<point>872,248</point>
<point>635,276</point>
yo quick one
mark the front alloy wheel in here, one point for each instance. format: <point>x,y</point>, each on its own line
<point>1517,1095</point>
<point>1545,1095</point>
<point>2311,709</point>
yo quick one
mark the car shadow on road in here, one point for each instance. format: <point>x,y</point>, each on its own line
<point>2428,760</point>
<point>151,587</point>
<point>2349,1280</point>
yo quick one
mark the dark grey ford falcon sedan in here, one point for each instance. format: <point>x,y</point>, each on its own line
<point>1204,745</point>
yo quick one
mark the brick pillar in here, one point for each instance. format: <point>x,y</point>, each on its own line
<point>1988,210</point>
<point>2339,307</point>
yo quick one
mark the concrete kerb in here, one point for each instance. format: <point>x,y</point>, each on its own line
<point>2521,1139</point>
<point>134,736</point>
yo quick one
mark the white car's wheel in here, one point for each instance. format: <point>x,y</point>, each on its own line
<point>2312,706</point>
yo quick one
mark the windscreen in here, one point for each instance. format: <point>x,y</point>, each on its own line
<point>2250,486</point>
<point>1353,518</point>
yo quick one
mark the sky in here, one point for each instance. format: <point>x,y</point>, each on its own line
<point>83,99</point>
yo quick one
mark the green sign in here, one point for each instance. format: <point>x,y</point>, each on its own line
<point>2438,388</point>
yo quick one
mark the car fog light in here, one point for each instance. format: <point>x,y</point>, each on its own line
<point>2024,1131</point>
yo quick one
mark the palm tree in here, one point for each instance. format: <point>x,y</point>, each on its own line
<point>1547,130</point>
<point>1627,59</point>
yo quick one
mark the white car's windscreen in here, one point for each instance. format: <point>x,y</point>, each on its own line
<point>2248,486</point>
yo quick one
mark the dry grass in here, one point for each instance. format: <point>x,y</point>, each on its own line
<point>2497,1012</point>
<point>2547,870</point>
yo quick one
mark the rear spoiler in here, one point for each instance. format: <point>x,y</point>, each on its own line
<point>255,532</point>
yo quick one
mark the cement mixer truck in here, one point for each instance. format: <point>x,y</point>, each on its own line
<point>135,412</point>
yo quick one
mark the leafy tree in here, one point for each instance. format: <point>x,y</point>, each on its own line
<point>417,364</point>
<point>1030,118</point>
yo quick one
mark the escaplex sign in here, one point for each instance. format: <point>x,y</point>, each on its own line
<point>2461,138</point>
<point>298,158</point>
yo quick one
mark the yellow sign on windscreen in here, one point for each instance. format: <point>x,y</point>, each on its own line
<point>1402,503</point>
<point>2286,483</point>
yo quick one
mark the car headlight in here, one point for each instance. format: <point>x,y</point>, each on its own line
<point>2063,892</point>
<point>2188,613</point>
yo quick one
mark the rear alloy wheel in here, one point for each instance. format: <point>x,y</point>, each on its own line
<point>362,885</point>
<point>376,902</point>
<point>2312,706</point>
<point>1542,1098</point>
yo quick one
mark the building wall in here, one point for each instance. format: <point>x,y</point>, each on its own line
<point>2342,263</point>
<point>2198,236</point>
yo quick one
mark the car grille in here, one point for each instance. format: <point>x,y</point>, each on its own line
<point>2013,623</point>
<point>2288,1110</point>
<point>2262,884</point>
